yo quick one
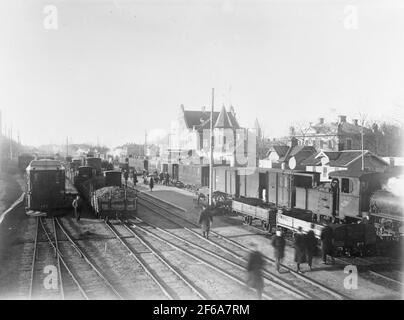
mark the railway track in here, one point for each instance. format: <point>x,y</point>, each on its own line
<point>392,276</point>
<point>219,266</point>
<point>90,281</point>
<point>308,288</point>
<point>171,281</point>
<point>44,259</point>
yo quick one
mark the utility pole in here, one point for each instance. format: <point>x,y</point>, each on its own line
<point>11,142</point>
<point>211,150</point>
<point>363,158</point>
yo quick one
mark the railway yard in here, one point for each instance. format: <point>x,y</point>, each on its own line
<point>159,253</point>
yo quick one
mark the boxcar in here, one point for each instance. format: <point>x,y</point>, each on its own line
<point>194,175</point>
<point>225,179</point>
<point>46,189</point>
<point>113,178</point>
<point>95,163</point>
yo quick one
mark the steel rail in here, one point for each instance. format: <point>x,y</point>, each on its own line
<point>179,274</point>
<point>138,260</point>
<point>271,261</point>
<point>81,253</point>
<point>375,273</point>
<point>193,256</point>
<point>57,255</point>
<point>65,264</point>
<point>33,259</point>
<point>172,268</point>
<point>276,283</point>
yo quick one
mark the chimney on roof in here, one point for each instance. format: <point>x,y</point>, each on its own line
<point>182,107</point>
<point>341,118</point>
<point>321,120</point>
<point>203,109</point>
<point>355,122</point>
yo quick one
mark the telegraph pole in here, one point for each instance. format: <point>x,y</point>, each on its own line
<point>363,158</point>
<point>211,150</point>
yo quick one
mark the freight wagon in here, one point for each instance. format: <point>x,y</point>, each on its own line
<point>225,179</point>
<point>95,163</point>
<point>105,194</point>
<point>251,210</point>
<point>194,175</point>
<point>114,202</point>
<point>47,187</point>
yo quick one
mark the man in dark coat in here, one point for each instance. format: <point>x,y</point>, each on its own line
<point>151,183</point>
<point>205,220</point>
<point>254,267</point>
<point>279,245</point>
<point>300,248</point>
<point>167,179</point>
<point>311,246</point>
<point>77,205</point>
<point>134,178</point>
<point>326,243</point>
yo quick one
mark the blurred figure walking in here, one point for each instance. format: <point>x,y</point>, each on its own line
<point>326,243</point>
<point>254,269</point>
<point>205,220</point>
<point>311,246</point>
<point>279,245</point>
<point>300,249</point>
<point>151,183</point>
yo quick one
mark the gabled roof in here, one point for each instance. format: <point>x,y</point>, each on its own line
<point>201,119</point>
<point>279,149</point>
<point>294,151</point>
<point>223,121</point>
<point>340,158</point>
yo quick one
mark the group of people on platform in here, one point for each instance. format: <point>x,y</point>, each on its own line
<point>161,178</point>
<point>305,247</point>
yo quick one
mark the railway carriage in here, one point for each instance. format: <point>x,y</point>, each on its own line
<point>47,187</point>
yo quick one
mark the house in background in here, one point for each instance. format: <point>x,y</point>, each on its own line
<point>335,136</point>
<point>325,162</point>
<point>288,157</point>
<point>189,137</point>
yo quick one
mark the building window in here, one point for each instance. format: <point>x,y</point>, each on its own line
<point>340,146</point>
<point>349,144</point>
<point>346,185</point>
<point>330,144</point>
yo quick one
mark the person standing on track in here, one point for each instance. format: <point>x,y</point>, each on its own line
<point>77,204</point>
<point>279,245</point>
<point>300,249</point>
<point>326,243</point>
<point>205,220</point>
<point>311,246</point>
<point>254,267</point>
<point>151,183</point>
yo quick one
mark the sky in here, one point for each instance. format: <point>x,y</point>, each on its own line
<point>113,69</point>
